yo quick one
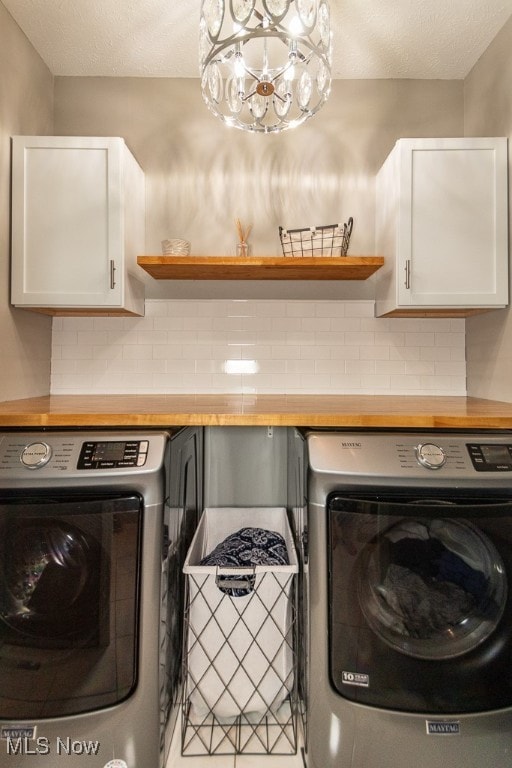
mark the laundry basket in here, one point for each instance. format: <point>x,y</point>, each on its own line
<point>240,643</point>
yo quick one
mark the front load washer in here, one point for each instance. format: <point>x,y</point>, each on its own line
<point>410,600</point>
<point>85,624</point>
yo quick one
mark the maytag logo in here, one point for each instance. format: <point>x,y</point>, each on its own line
<point>443,727</point>
<point>350,445</point>
<point>18,732</point>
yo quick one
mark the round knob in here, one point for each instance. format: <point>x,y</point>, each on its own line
<point>35,455</point>
<point>430,455</point>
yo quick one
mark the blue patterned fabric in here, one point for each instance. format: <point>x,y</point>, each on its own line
<point>246,548</point>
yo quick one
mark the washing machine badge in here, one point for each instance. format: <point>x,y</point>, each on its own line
<point>443,727</point>
<point>356,678</point>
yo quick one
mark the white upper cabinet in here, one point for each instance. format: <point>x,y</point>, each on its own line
<point>442,227</point>
<point>78,223</point>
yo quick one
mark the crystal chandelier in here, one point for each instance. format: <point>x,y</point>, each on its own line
<point>265,64</point>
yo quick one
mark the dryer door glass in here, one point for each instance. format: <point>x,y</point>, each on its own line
<point>419,605</point>
<point>68,604</point>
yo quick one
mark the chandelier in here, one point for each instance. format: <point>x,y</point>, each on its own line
<point>265,64</point>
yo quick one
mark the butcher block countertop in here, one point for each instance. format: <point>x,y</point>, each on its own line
<point>349,411</point>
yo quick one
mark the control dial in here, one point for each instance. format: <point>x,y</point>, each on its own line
<point>35,455</point>
<point>430,455</point>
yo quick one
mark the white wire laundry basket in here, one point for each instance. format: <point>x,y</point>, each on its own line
<point>240,660</point>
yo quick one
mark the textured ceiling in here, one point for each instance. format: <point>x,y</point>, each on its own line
<point>158,38</point>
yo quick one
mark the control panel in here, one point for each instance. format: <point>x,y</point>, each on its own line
<point>112,454</point>
<point>438,457</point>
<point>48,455</point>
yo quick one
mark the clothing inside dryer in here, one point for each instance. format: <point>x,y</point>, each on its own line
<point>69,604</point>
<point>419,603</point>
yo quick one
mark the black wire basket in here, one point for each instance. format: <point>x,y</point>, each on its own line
<point>329,240</point>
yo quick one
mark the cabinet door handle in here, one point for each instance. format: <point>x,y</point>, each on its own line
<point>408,274</point>
<point>112,274</point>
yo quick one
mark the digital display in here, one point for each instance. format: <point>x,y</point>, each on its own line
<point>111,454</point>
<point>109,451</point>
<point>495,454</point>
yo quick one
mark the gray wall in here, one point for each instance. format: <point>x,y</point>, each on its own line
<point>201,175</point>
<point>488,112</point>
<point>26,107</point>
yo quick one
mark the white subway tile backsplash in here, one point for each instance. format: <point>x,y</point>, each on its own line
<point>173,323</point>
<point>389,339</point>
<point>296,368</point>
<point>420,339</point>
<point>419,368</point>
<point>360,309</point>
<point>374,353</point>
<point>360,338</point>
<point>76,351</point>
<point>452,368</point>
<point>334,309</point>
<point>436,353</point>
<point>450,339</point>
<point>157,308</point>
<point>257,346</point>
<point>137,352</point>
<point>111,351</point>
<point>389,367</point>
<point>61,338</point>
<point>459,354</point>
<point>404,353</point>
<point>300,309</point>
<point>342,352</point>
<point>360,366</point>
<point>152,337</point>
<point>375,383</point>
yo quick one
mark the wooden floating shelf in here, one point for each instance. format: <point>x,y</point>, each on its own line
<point>260,268</point>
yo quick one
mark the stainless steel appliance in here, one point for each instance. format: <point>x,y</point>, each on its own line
<point>410,600</point>
<point>86,608</point>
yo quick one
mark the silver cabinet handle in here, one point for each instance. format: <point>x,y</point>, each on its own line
<point>112,274</point>
<point>408,274</point>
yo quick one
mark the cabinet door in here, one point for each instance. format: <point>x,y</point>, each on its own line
<point>67,229</point>
<point>452,241</point>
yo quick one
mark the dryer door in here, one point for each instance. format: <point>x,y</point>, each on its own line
<point>419,604</point>
<point>69,591</point>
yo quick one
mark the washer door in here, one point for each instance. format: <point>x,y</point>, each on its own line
<point>420,617</point>
<point>69,603</point>
<point>432,588</point>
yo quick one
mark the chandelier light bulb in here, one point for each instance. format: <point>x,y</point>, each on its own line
<point>296,27</point>
<point>265,65</point>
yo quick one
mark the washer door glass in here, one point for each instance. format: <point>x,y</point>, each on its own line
<point>69,603</point>
<point>50,575</point>
<point>432,588</point>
